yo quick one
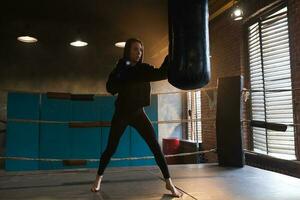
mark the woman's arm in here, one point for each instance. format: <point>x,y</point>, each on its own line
<point>113,85</point>
<point>144,72</point>
<point>156,74</point>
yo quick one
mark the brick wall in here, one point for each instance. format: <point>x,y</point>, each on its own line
<point>294,26</point>
<point>229,58</point>
<point>225,50</point>
<point>208,112</point>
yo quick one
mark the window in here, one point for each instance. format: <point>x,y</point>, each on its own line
<point>271,88</point>
<point>194,116</point>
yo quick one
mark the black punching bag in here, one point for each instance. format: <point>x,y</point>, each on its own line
<point>188,44</point>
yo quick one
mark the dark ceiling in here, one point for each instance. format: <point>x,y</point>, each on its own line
<point>101,23</point>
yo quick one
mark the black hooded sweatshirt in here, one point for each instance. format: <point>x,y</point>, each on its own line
<point>132,83</point>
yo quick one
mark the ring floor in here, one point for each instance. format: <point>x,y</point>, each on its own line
<point>197,181</point>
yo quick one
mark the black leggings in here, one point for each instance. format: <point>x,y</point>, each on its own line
<point>139,120</point>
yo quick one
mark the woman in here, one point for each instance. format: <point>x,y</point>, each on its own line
<point>131,80</point>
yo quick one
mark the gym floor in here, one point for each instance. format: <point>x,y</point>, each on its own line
<point>197,181</point>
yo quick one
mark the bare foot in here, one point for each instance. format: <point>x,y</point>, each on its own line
<point>172,188</point>
<point>96,185</point>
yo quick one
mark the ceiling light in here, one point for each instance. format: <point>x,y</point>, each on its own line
<point>120,44</point>
<point>237,12</point>
<point>27,39</point>
<point>78,43</point>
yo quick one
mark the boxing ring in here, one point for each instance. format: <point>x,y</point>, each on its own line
<point>196,181</point>
<point>228,179</point>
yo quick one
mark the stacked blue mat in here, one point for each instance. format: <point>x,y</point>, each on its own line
<point>38,127</point>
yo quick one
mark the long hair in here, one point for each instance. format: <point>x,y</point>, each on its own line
<point>129,42</point>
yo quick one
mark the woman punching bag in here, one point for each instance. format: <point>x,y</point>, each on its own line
<point>188,44</point>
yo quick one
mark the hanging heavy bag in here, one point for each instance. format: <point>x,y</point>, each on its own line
<point>188,44</point>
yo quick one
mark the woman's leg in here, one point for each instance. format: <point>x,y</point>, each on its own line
<point>143,125</point>
<point>118,125</point>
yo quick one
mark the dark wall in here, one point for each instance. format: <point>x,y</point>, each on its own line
<point>294,25</point>
<point>225,45</point>
<point>52,64</point>
<point>229,58</point>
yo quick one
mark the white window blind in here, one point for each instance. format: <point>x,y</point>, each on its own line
<point>269,60</point>
<point>194,115</point>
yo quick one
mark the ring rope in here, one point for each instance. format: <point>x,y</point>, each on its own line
<point>67,122</point>
<point>97,160</point>
<point>107,94</point>
<point>173,92</point>
<point>154,122</point>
